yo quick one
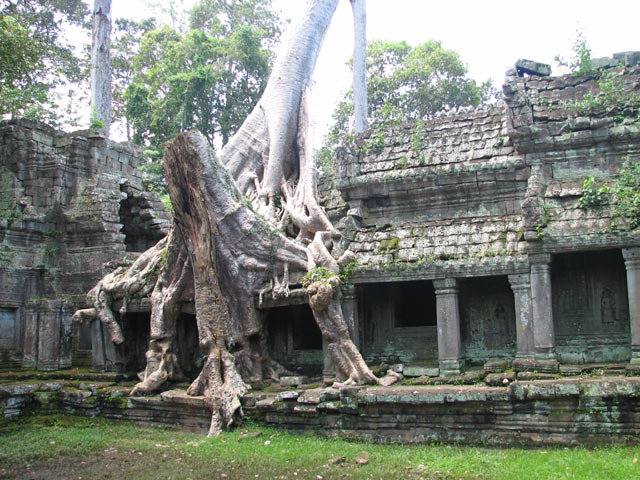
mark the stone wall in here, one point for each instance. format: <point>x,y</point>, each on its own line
<point>491,196</point>
<point>61,196</point>
<point>479,208</point>
<point>569,412</point>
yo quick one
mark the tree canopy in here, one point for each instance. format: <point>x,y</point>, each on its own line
<point>208,78</point>
<point>406,83</point>
<point>35,58</point>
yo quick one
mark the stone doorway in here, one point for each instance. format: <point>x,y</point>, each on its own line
<point>294,339</point>
<point>590,307</point>
<point>398,321</point>
<point>487,319</point>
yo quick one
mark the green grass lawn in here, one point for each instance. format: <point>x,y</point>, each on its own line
<point>71,447</point>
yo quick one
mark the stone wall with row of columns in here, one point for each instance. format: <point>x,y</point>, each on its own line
<point>495,192</point>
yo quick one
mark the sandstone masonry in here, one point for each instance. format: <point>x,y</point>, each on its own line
<point>72,207</point>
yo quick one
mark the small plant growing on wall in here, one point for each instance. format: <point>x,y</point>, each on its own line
<point>593,197</point>
<point>613,99</point>
<point>625,193</point>
<point>318,274</point>
<point>94,119</point>
<point>580,61</point>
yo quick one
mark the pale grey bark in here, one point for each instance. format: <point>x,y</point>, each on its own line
<point>361,109</point>
<point>101,64</point>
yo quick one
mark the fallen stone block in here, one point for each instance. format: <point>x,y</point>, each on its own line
<point>530,67</point>
<point>420,371</point>
<point>500,379</point>
<point>290,396</point>
<point>293,381</point>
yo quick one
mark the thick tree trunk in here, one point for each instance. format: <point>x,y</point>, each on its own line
<point>174,287</point>
<point>242,222</point>
<point>261,156</point>
<point>138,280</point>
<point>101,64</point>
<point>230,249</point>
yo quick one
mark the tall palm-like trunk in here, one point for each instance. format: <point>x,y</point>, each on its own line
<point>360,65</point>
<point>101,65</point>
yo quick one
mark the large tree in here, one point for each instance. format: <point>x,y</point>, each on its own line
<point>35,59</point>
<point>246,223</point>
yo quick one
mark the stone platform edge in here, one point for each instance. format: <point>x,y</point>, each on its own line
<point>572,411</point>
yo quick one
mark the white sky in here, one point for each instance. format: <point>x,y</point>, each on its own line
<point>489,35</point>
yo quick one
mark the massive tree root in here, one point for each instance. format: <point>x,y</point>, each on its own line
<point>164,273</point>
<point>122,284</point>
<point>173,287</point>
<point>350,367</point>
<point>242,221</point>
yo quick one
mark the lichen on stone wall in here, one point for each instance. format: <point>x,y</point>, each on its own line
<point>10,195</point>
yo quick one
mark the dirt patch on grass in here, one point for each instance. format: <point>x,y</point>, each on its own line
<point>117,464</point>
<point>165,465</point>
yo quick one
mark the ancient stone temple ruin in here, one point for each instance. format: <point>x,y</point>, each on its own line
<point>72,208</point>
<point>472,247</point>
<point>471,243</point>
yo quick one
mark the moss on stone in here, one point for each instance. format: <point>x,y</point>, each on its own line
<point>389,244</point>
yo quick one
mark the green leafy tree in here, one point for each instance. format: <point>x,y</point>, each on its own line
<point>209,78</point>
<point>579,63</point>
<point>222,18</point>
<point>407,83</point>
<point>36,62</point>
<point>125,44</point>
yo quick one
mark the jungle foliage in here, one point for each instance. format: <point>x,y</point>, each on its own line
<point>406,83</point>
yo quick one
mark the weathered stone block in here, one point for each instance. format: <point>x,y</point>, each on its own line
<point>293,381</point>
<point>500,379</point>
<point>289,396</point>
<point>419,371</point>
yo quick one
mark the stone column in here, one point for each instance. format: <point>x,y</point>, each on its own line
<point>30,339</point>
<point>448,318</point>
<point>49,335</point>
<point>114,359</point>
<point>349,304</point>
<point>66,335</point>
<point>107,356</point>
<point>632,263</point>
<point>97,345</point>
<point>521,286</point>
<point>542,309</point>
<point>328,367</point>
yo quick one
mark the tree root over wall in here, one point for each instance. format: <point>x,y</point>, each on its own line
<point>248,218</point>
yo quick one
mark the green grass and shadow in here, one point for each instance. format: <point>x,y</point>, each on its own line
<point>72,447</point>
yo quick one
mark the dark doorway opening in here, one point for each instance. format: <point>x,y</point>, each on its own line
<point>294,338</point>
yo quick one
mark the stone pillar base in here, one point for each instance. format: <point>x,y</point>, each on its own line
<point>547,366</point>
<point>523,364</point>
<point>48,365</point>
<point>29,363</point>
<point>546,354</point>
<point>449,368</point>
<point>635,359</point>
